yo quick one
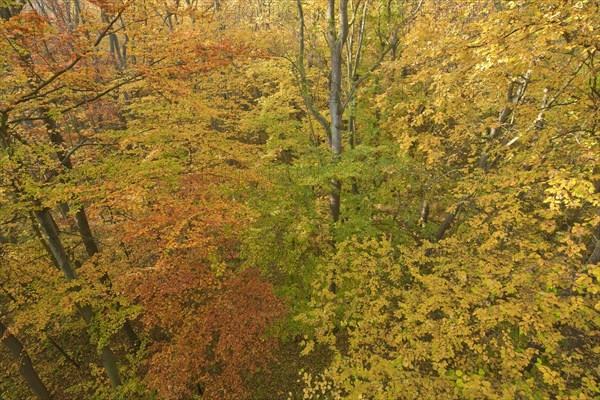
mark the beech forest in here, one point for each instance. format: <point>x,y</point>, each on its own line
<point>299,199</point>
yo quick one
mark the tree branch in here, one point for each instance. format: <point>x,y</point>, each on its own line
<point>34,93</point>
<point>392,43</point>
<point>308,100</point>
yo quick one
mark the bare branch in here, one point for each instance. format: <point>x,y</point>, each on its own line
<point>308,100</point>
<point>393,42</point>
<point>34,93</point>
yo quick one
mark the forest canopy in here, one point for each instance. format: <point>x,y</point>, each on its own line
<point>299,199</point>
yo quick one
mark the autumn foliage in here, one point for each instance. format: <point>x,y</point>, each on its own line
<point>206,320</point>
<point>248,199</point>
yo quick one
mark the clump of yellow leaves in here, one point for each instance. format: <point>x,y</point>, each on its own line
<point>500,104</point>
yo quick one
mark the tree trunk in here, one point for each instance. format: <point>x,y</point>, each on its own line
<point>58,252</point>
<point>337,41</point>
<point>54,243</point>
<point>9,10</point>
<point>26,369</point>
<point>85,232</point>
<point>334,125</point>
<point>446,224</point>
<point>92,249</point>
<point>106,354</point>
<point>114,46</point>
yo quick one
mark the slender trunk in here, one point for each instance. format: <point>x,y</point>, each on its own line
<point>334,125</point>
<point>54,243</point>
<point>31,377</point>
<point>125,43</point>
<point>352,135</point>
<point>59,254</point>
<point>82,221</point>
<point>354,58</point>
<point>424,216</point>
<point>335,197</point>
<point>77,12</point>
<point>106,354</point>
<point>41,238</point>
<point>114,46</point>
<point>337,41</point>
<point>85,231</point>
<point>516,91</point>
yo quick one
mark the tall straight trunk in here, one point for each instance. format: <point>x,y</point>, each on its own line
<point>85,232</point>
<point>28,372</point>
<point>114,46</point>
<point>60,255</point>
<point>337,41</point>
<point>337,35</point>
<point>54,243</point>
<point>124,47</point>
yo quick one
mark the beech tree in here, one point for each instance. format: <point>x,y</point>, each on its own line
<point>489,301</point>
<point>26,367</point>
<point>256,199</point>
<point>22,176</point>
<point>351,18</point>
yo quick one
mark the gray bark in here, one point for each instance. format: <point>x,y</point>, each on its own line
<point>337,35</point>
<point>59,254</point>
<point>28,372</point>
<point>114,46</point>
<point>337,40</point>
<point>516,91</point>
